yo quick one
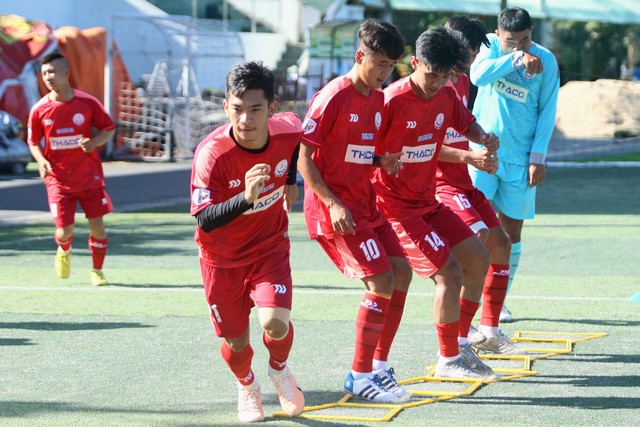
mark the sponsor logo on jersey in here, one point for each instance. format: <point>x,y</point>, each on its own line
<point>234,183</point>
<point>425,137</point>
<point>265,202</point>
<point>361,154</point>
<point>78,119</point>
<point>309,126</point>
<point>419,154</point>
<point>281,168</point>
<point>439,121</point>
<point>48,122</point>
<point>353,118</point>
<point>367,136</point>
<point>370,305</point>
<point>510,90</point>
<point>452,136</point>
<point>64,142</point>
<point>411,124</point>
<point>64,130</point>
<point>378,120</point>
<point>267,188</point>
<point>201,196</point>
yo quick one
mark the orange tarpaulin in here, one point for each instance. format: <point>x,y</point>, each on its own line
<point>24,42</point>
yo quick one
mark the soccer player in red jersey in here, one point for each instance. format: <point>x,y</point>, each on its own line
<point>439,245</point>
<point>455,190</point>
<point>242,184</point>
<point>336,160</point>
<point>70,164</point>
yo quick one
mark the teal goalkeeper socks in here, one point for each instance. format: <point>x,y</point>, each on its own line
<point>514,261</point>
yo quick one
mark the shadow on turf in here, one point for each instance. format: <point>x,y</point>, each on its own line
<point>15,341</point>
<point>155,286</point>
<point>577,402</point>
<point>598,322</point>
<point>592,380</point>
<point>66,326</point>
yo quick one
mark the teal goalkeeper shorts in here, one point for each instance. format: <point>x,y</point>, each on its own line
<point>508,189</point>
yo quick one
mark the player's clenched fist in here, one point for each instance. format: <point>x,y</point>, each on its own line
<point>254,181</point>
<point>87,145</point>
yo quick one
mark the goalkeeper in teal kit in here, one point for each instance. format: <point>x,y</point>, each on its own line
<point>518,82</point>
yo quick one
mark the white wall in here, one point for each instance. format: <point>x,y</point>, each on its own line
<point>287,17</point>
<point>267,47</point>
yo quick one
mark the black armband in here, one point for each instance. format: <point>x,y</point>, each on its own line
<point>292,173</point>
<point>219,214</point>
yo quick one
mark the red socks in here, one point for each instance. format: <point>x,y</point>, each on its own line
<point>279,350</point>
<point>448,338</point>
<point>239,362</point>
<point>98,248</point>
<point>369,323</point>
<point>66,245</point>
<point>494,293</point>
<point>391,324</point>
<point>468,309</point>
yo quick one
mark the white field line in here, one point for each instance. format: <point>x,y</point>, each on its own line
<point>296,290</point>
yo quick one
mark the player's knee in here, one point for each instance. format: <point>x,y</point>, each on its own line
<point>402,274</point>
<point>275,328</point>
<point>450,277</point>
<point>238,344</point>
<point>483,234</point>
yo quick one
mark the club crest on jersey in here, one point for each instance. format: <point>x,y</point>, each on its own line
<point>281,168</point>
<point>527,75</point>
<point>439,121</point>
<point>48,122</point>
<point>78,119</point>
<point>201,196</point>
<point>378,120</point>
<point>309,126</point>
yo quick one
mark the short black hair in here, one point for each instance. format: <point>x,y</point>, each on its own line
<point>52,57</point>
<point>514,19</point>
<point>248,76</point>
<point>471,28</point>
<point>442,48</point>
<point>381,37</point>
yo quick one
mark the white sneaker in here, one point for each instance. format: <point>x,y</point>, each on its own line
<point>505,315</point>
<point>250,402</point>
<point>460,369</point>
<point>369,388</point>
<point>500,344</point>
<point>290,395</point>
<point>389,382</point>
<point>475,336</point>
<point>473,361</point>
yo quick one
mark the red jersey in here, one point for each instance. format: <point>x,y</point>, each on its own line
<point>415,126</point>
<point>219,166</point>
<point>456,174</point>
<point>63,124</point>
<point>342,125</point>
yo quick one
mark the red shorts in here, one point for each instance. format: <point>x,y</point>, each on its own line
<point>365,253</point>
<point>427,239</point>
<point>95,202</point>
<point>470,205</point>
<point>232,292</point>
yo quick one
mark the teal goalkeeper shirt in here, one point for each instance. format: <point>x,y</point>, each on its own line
<point>518,107</point>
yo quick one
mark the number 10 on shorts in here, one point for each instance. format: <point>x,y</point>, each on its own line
<point>370,249</point>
